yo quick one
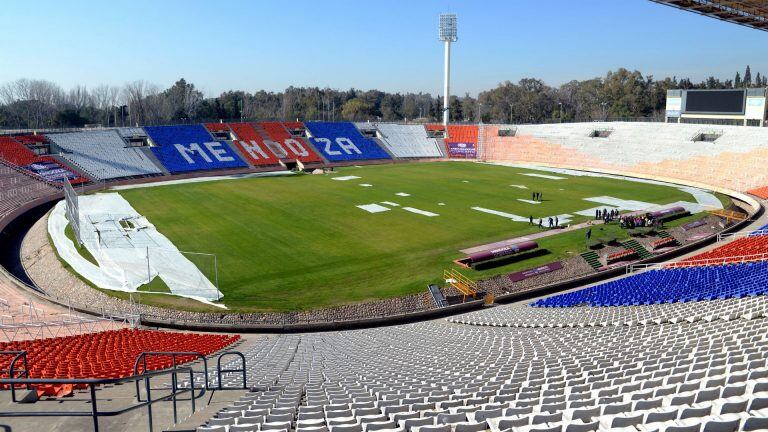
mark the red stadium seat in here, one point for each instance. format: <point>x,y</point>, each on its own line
<point>248,141</point>
<point>740,250</point>
<point>109,354</point>
<point>215,127</point>
<point>14,151</point>
<point>251,144</point>
<point>286,146</point>
<point>761,192</point>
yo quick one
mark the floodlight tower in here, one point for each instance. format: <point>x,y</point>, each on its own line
<point>448,36</point>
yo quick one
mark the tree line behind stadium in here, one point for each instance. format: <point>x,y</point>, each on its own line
<point>30,104</point>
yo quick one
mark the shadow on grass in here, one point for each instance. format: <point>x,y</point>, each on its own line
<point>502,261</point>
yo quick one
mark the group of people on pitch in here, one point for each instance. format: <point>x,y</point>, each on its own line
<point>552,222</point>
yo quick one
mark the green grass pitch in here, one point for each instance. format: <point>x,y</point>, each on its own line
<point>299,242</point>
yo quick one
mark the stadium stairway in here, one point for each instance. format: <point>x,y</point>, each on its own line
<point>634,245</point>
<point>593,259</point>
<point>257,127</point>
<point>241,154</point>
<point>247,135</point>
<point>343,142</point>
<point>278,133</point>
<point>384,147</point>
<point>665,235</point>
<point>152,157</point>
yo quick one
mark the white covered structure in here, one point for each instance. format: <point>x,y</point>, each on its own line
<point>129,250</point>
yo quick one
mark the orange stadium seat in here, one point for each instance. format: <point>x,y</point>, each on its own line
<point>109,354</point>
<point>761,192</point>
<point>753,248</point>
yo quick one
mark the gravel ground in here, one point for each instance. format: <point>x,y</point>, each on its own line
<point>572,268</point>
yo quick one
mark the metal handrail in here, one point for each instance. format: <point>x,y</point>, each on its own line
<point>22,354</point>
<point>220,371</point>
<point>173,354</point>
<point>92,383</point>
<point>740,259</point>
<point>742,234</point>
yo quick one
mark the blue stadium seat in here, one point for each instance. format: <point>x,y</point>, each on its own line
<point>341,141</point>
<point>191,148</point>
<point>763,230</point>
<point>670,286</point>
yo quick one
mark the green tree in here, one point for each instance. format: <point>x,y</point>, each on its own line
<point>356,109</point>
<point>69,118</point>
<point>748,77</point>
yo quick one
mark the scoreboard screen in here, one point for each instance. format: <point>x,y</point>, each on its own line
<point>715,102</point>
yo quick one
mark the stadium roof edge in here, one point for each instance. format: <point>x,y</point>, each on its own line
<point>748,13</point>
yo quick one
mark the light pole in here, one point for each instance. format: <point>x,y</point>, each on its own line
<point>447,35</point>
<point>480,112</point>
<point>561,111</point>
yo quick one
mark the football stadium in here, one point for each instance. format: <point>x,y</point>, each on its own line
<point>588,257</point>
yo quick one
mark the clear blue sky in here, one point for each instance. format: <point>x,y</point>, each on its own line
<point>390,45</point>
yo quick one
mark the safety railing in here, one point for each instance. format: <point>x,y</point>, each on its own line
<point>740,259</point>
<point>737,235</point>
<point>12,368</point>
<point>466,286</point>
<point>220,371</point>
<point>141,359</point>
<point>92,383</point>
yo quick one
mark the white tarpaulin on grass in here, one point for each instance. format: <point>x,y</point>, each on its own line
<point>561,219</point>
<point>633,205</point>
<point>703,197</point>
<point>128,248</point>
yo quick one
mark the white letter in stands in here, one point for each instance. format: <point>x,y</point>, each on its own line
<point>192,149</point>
<point>217,151</point>
<point>346,144</point>
<point>253,149</point>
<point>328,150</point>
<point>296,147</point>
<point>277,149</point>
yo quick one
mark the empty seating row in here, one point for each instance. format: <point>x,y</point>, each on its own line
<point>753,247</point>
<point>761,192</point>
<point>461,141</point>
<point>439,376</point>
<point>285,145</point>
<point>109,354</point>
<point>531,317</point>
<point>16,153</point>
<point>763,230</point>
<point>496,145</point>
<point>671,285</point>
<point>102,154</point>
<point>248,141</point>
<point>655,149</point>
<point>408,141</point>
<point>18,187</point>
<point>341,141</point>
<point>184,148</point>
